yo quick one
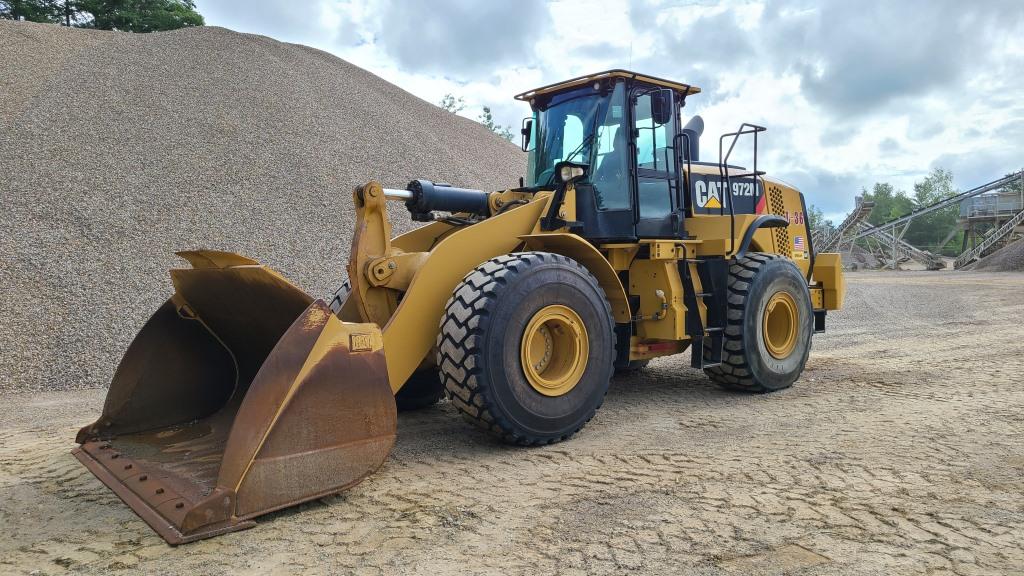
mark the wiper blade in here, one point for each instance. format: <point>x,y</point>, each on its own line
<point>573,154</point>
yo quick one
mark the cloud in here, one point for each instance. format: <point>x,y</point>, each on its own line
<point>919,129</point>
<point>1012,132</point>
<point>462,38</point>
<point>691,43</point>
<point>837,135</point>
<point>832,192</point>
<point>853,58</point>
<point>696,38</point>
<point>856,57</point>
<point>601,51</point>
<point>275,18</point>
<point>979,167</point>
<point>889,146</point>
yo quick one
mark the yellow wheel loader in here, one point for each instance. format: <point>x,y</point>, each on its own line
<point>243,395</point>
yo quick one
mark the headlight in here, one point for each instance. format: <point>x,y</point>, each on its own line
<point>568,172</point>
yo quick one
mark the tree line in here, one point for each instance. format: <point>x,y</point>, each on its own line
<point>928,231</point>
<point>123,15</point>
<point>456,105</point>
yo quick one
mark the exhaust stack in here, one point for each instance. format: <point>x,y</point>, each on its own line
<point>694,128</point>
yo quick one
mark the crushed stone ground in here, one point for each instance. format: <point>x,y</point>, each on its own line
<point>899,451</point>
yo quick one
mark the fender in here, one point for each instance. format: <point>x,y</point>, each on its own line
<point>411,331</point>
<point>572,246</point>
<point>762,221</point>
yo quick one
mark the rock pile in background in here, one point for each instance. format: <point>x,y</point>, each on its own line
<point>1009,258</point>
<point>119,149</point>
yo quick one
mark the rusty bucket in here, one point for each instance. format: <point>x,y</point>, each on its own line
<point>241,395</point>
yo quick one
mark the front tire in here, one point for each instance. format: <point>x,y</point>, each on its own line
<point>526,347</point>
<point>768,328</point>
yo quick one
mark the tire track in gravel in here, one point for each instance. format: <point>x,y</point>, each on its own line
<point>871,464</point>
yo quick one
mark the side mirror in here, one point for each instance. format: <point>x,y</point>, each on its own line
<point>661,106</point>
<point>526,131</point>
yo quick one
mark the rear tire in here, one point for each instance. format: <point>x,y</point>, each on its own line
<point>422,390</point>
<point>768,328</point>
<point>539,307</point>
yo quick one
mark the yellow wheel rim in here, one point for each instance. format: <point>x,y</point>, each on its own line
<point>780,325</point>
<point>554,350</point>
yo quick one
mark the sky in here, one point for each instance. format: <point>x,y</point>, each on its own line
<point>852,93</point>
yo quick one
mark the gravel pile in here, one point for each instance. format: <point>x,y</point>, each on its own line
<point>118,149</point>
<point>857,258</point>
<point>1009,258</point>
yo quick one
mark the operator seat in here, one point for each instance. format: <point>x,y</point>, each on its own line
<point>613,163</point>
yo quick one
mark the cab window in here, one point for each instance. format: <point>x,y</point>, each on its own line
<point>654,160</point>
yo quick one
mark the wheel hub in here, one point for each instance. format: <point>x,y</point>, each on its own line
<point>554,350</point>
<point>780,326</point>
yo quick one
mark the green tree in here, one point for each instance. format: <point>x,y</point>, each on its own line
<point>452,104</point>
<point>140,15</point>
<point>925,231</point>
<point>1016,187</point>
<point>928,230</point>
<point>125,15</point>
<point>487,120</point>
<point>889,203</point>
<point>816,218</point>
<point>48,11</point>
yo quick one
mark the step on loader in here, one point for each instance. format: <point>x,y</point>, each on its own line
<point>242,394</point>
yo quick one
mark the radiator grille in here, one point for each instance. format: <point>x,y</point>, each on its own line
<point>776,205</point>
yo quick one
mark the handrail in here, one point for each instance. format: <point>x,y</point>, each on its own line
<point>726,178</point>
<point>687,179</point>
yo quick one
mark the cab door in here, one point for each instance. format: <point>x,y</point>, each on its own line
<point>657,206</point>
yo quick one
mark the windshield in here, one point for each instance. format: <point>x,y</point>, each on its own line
<point>578,125</point>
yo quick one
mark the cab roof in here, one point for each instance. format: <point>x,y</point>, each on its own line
<point>683,89</point>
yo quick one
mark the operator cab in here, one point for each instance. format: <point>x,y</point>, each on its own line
<point>625,130</point>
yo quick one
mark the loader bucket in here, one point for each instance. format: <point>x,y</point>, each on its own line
<point>239,396</point>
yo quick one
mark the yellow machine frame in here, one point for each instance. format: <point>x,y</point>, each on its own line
<point>402,284</point>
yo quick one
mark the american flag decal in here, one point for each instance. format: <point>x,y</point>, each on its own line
<point>798,243</point>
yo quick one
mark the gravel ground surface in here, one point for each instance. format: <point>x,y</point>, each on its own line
<point>1009,258</point>
<point>120,149</point>
<point>900,451</point>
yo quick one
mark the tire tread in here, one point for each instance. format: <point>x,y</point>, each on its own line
<point>734,373</point>
<point>459,343</point>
